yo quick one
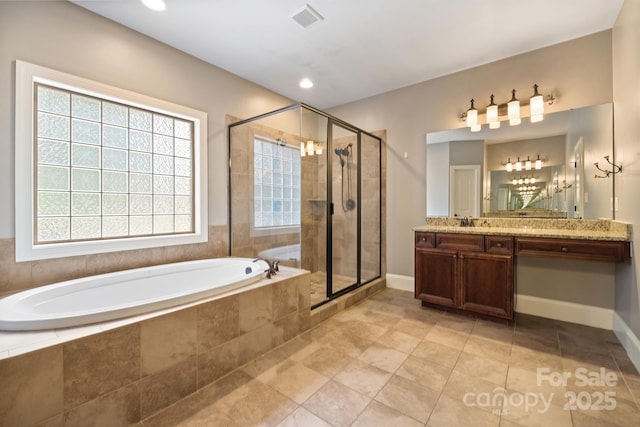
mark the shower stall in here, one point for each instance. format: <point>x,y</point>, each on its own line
<point>305,188</point>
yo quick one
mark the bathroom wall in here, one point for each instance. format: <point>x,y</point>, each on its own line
<point>578,71</point>
<point>63,36</point>
<point>626,97</point>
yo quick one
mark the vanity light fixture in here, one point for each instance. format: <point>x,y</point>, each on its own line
<point>616,169</point>
<point>526,165</point>
<point>511,110</point>
<point>310,148</point>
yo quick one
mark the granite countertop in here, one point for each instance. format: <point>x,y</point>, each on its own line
<point>558,228</point>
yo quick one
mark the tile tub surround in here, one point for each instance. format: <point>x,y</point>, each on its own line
<point>15,277</point>
<point>122,375</point>
<point>589,229</point>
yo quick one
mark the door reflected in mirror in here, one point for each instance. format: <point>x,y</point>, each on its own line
<point>567,143</point>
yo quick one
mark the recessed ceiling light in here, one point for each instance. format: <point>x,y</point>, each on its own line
<point>158,5</point>
<point>306,83</point>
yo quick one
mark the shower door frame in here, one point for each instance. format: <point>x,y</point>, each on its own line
<point>329,206</point>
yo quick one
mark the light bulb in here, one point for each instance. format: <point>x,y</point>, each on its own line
<point>527,164</point>
<point>492,115</point>
<point>518,165</point>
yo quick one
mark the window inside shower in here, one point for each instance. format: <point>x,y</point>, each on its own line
<point>305,189</point>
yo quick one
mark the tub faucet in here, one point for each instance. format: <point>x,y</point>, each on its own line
<point>273,266</point>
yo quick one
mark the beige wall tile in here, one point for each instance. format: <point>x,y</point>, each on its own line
<point>256,309</point>
<point>13,276</point>
<point>284,297</point>
<point>254,343</point>
<point>218,322</point>
<point>285,329</point>
<point>167,340</point>
<point>119,408</point>
<point>49,271</point>
<point>217,362</point>
<point>100,364</point>
<point>167,387</point>
<point>31,387</point>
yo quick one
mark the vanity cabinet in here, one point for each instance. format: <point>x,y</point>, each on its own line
<point>466,272</point>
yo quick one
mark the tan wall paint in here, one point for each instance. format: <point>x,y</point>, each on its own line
<point>578,71</point>
<point>626,96</point>
<point>63,36</point>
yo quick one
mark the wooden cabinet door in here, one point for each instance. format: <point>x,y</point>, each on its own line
<point>435,276</point>
<point>486,283</point>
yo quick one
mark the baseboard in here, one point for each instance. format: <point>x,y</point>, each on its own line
<point>566,311</point>
<point>628,339</point>
<point>396,281</point>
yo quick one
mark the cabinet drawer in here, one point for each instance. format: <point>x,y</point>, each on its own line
<point>425,240</point>
<point>460,242</point>
<point>499,244</point>
<point>589,250</point>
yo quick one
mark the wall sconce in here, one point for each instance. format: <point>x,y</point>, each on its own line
<point>511,110</point>
<point>528,164</point>
<point>310,148</point>
<point>616,169</point>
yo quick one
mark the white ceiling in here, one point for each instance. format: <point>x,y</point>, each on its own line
<point>361,47</point>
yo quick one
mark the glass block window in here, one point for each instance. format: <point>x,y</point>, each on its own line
<point>276,190</point>
<point>107,170</point>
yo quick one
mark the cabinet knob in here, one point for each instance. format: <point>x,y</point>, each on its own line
<point>423,239</point>
<point>564,249</point>
<point>499,245</point>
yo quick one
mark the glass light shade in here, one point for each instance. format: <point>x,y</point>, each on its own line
<point>532,180</point>
<point>476,128</point>
<point>472,116</point>
<point>518,165</point>
<point>509,166</point>
<point>538,163</point>
<point>536,105</point>
<point>492,112</point>
<point>494,125</point>
<point>302,152</point>
<point>527,164</point>
<point>513,109</point>
<point>520,181</point>
<point>514,182</point>
<point>526,180</point>
<point>318,149</point>
<point>310,148</point>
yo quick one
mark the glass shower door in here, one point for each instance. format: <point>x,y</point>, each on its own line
<point>344,209</point>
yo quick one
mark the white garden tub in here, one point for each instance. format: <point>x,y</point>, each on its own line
<point>125,293</point>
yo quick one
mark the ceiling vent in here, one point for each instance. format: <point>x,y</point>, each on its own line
<point>306,16</point>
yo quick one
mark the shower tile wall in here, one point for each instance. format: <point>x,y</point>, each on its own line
<point>16,277</point>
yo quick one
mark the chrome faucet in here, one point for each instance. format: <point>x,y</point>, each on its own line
<point>466,222</point>
<point>273,266</point>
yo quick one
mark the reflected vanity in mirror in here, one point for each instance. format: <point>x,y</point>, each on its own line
<point>566,143</point>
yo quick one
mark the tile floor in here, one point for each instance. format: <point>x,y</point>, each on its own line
<point>389,362</point>
<point>318,286</point>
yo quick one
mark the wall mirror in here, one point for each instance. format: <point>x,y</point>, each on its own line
<point>567,143</point>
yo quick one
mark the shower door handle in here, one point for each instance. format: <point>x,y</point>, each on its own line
<point>331,208</point>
